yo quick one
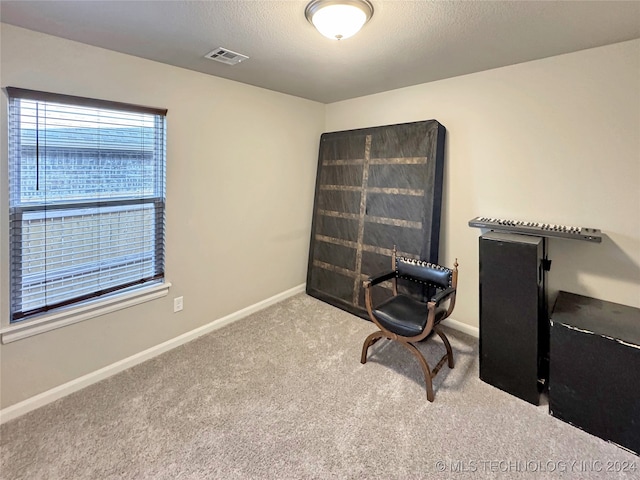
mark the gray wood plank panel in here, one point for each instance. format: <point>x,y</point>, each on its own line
<point>375,188</point>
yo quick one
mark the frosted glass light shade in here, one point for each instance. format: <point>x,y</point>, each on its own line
<point>337,19</point>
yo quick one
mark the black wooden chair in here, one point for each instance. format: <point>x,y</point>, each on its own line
<point>405,319</point>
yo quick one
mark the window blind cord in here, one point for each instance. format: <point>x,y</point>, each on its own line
<point>144,182</point>
<point>46,203</point>
<point>99,233</point>
<point>37,147</point>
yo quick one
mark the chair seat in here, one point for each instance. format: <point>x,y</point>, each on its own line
<point>405,316</point>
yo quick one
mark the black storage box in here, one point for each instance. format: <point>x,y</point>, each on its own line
<point>594,368</point>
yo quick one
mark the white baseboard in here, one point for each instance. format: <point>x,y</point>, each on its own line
<point>462,327</point>
<point>44,398</point>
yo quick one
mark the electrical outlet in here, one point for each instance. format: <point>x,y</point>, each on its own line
<point>177,304</point>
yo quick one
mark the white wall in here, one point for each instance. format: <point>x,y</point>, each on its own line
<point>555,140</point>
<point>241,165</point>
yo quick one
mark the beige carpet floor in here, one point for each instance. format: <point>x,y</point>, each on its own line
<point>281,394</point>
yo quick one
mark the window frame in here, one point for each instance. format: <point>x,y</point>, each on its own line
<point>109,299</point>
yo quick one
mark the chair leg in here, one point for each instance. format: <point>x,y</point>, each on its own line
<point>447,345</point>
<point>370,340</point>
<point>425,368</point>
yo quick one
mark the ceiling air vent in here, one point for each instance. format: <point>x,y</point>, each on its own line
<point>224,55</point>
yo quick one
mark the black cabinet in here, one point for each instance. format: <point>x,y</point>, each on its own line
<point>514,328</point>
<point>594,377</point>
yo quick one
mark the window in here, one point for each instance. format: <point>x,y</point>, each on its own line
<point>86,199</point>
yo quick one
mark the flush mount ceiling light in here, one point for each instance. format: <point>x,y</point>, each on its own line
<point>338,19</point>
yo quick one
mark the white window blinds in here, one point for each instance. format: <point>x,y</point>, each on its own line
<point>86,198</point>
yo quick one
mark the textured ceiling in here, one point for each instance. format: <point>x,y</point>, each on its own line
<point>405,43</point>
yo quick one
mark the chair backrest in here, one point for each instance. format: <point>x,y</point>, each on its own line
<point>424,272</point>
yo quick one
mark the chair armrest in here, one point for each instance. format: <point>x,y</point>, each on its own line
<point>443,295</point>
<point>379,278</point>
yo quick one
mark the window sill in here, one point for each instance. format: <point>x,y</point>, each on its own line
<point>86,311</point>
